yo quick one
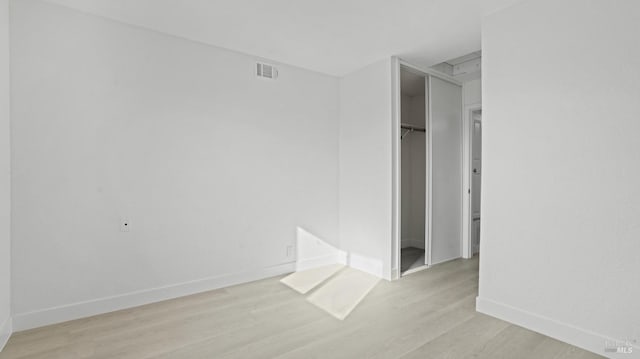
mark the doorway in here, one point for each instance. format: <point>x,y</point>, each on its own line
<point>413,170</point>
<point>476,179</point>
<point>472,180</point>
<point>430,170</point>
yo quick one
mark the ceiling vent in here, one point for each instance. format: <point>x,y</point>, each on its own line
<point>266,71</point>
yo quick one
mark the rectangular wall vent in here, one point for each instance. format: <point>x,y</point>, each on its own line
<point>266,71</point>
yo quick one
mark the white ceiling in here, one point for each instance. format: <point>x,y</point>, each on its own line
<point>329,36</point>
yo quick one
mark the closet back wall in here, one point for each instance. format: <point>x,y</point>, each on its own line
<point>413,172</point>
<point>213,167</point>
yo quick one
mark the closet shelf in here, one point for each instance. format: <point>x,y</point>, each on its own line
<point>409,127</point>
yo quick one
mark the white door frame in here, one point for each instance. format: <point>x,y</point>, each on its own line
<point>396,146</point>
<point>396,156</point>
<point>467,173</point>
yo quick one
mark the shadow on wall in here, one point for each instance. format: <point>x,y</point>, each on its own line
<point>320,271</point>
<point>312,251</point>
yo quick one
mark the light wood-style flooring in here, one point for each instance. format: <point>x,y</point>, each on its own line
<point>428,314</point>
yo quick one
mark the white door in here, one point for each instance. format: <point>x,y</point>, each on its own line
<point>445,167</point>
<point>476,175</point>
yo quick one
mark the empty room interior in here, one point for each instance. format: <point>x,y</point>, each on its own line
<point>319,179</point>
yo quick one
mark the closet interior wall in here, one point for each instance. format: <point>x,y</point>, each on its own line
<point>413,162</point>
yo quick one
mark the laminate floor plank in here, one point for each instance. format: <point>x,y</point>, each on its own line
<point>427,314</point>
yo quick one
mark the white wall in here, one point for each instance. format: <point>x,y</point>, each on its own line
<point>214,168</point>
<point>560,196</point>
<point>5,189</point>
<point>366,168</point>
<point>472,91</point>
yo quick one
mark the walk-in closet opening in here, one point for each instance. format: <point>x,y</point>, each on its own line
<point>430,170</point>
<point>413,119</point>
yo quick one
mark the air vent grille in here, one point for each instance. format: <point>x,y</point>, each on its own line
<point>266,71</point>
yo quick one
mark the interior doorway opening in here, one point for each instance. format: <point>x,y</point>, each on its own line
<point>475,179</point>
<point>413,175</point>
<point>430,146</point>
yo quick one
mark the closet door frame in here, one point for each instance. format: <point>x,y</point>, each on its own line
<point>467,162</point>
<point>396,64</point>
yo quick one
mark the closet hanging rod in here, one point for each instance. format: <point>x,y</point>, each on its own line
<point>409,127</point>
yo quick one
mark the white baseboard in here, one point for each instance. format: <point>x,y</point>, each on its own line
<point>24,321</point>
<point>565,332</point>
<point>366,264</point>
<point>415,243</point>
<point>308,263</point>
<point>6,329</point>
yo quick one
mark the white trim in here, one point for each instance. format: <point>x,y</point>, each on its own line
<point>467,163</point>
<point>396,158</point>
<point>585,339</point>
<point>340,257</point>
<point>462,146</point>
<point>395,274</point>
<point>38,318</point>
<point>6,329</point>
<point>429,177</point>
<point>366,264</point>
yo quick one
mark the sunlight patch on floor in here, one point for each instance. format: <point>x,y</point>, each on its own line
<point>336,289</point>
<point>305,280</point>
<point>342,293</point>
